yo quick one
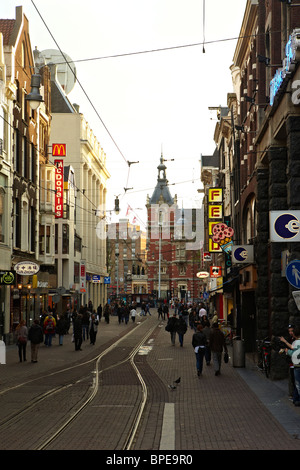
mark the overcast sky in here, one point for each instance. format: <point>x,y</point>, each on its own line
<point>150,101</point>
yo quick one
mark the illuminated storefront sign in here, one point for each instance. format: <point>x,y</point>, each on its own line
<point>215,195</point>
<point>59,150</point>
<point>215,214</point>
<point>288,64</point>
<point>59,186</point>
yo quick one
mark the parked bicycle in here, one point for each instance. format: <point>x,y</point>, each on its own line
<point>264,355</point>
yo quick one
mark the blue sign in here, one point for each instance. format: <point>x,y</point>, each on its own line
<point>242,254</point>
<point>285,226</point>
<point>96,278</point>
<point>286,69</point>
<point>292,273</point>
<point>107,280</point>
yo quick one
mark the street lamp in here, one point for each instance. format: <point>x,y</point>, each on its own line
<point>34,97</point>
<point>159,254</point>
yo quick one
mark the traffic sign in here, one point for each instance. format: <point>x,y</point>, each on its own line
<point>292,273</point>
<point>296,296</point>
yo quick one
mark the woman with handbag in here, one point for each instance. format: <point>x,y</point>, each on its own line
<point>21,336</point>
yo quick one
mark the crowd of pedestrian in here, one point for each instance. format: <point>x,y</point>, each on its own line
<point>208,340</point>
<point>81,326</point>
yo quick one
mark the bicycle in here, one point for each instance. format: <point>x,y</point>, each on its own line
<point>264,355</point>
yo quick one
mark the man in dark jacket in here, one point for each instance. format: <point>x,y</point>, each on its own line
<point>199,343</point>
<point>78,332</point>
<point>35,336</point>
<point>217,344</point>
<point>172,327</point>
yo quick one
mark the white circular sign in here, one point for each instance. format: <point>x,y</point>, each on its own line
<point>202,275</point>
<point>27,268</point>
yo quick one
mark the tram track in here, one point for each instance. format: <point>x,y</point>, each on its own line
<point>88,392</point>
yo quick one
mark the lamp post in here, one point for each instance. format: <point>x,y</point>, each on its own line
<point>117,263</point>
<point>159,252</point>
<point>34,97</point>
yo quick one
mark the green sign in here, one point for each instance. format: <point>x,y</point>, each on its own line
<point>7,278</point>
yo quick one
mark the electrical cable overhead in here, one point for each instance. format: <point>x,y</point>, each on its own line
<point>82,88</point>
<point>203,48</point>
<point>162,49</point>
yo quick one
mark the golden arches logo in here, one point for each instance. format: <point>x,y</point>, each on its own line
<point>59,150</point>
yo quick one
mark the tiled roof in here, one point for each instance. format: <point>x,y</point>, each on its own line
<point>6,27</point>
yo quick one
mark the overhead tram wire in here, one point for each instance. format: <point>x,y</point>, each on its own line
<point>162,49</point>
<point>79,83</point>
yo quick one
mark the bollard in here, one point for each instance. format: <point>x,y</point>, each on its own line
<point>238,353</point>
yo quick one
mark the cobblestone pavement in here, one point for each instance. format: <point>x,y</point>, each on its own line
<point>238,410</point>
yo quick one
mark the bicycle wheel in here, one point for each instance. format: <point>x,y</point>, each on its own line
<point>266,365</point>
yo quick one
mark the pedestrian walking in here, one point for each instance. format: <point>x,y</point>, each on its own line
<point>49,329</point>
<point>296,361</point>
<point>171,327</point>
<point>133,314</point>
<point>166,311</point>
<point>199,343</point>
<point>206,331</point>
<point>93,328</point>
<point>86,316</point>
<point>288,341</point>
<point>99,312</point>
<point>160,312</point>
<point>126,314</point>
<point>181,329</point>
<point>61,328</point>
<point>106,313</point>
<point>35,336</point>
<point>78,332</point>
<point>21,337</point>
<point>217,344</point>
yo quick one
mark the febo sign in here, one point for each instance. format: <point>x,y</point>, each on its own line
<point>215,213</point>
<point>59,186</point>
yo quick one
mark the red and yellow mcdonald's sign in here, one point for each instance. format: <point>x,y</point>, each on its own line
<point>59,150</point>
<point>59,188</point>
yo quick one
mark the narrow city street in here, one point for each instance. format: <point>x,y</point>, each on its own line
<point>238,410</point>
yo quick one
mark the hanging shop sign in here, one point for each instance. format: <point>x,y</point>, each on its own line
<point>59,150</point>
<point>59,186</point>
<point>215,271</point>
<point>242,254</point>
<point>96,278</point>
<point>207,256</point>
<point>288,65</point>
<point>284,226</point>
<point>82,277</point>
<point>7,278</point>
<point>202,275</point>
<point>27,268</point>
<point>215,214</point>
<point>222,235</point>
